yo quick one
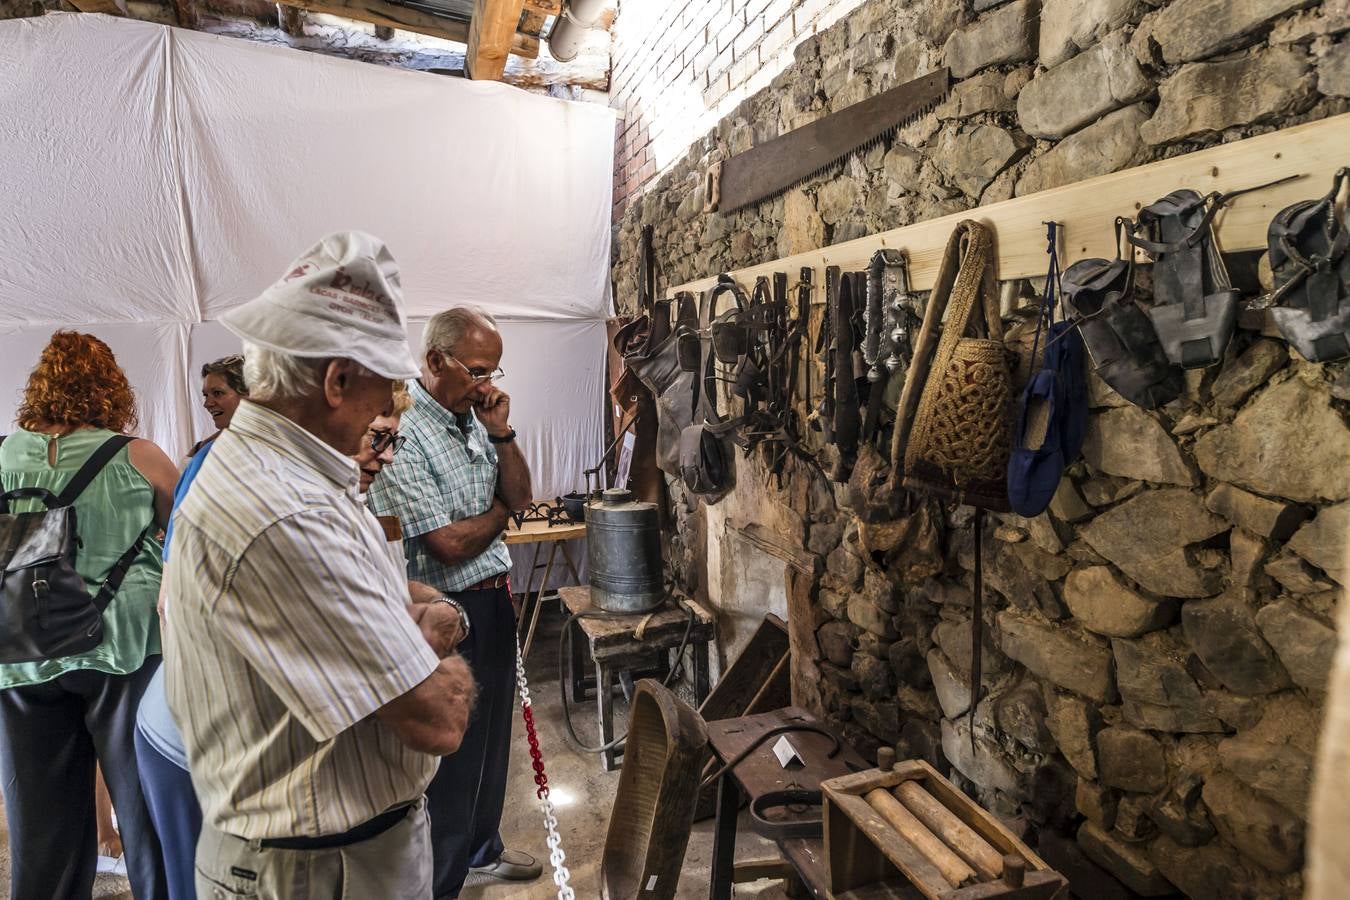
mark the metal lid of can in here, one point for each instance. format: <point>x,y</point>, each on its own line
<point>616,496</point>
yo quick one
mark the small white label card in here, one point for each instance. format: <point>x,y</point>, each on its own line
<point>786,753</point>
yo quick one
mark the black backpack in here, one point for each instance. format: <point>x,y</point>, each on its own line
<point>46,611</point>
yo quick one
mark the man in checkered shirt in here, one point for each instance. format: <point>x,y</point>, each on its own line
<point>452,487</point>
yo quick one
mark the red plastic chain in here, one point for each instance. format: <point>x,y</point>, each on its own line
<point>540,779</point>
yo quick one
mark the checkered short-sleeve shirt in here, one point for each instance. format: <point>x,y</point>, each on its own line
<point>445,473</point>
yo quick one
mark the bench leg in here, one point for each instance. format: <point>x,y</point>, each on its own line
<point>604,696</point>
<point>539,601</point>
<point>701,671</point>
<point>525,597</point>
<point>576,663</point>
<point>724,838</point>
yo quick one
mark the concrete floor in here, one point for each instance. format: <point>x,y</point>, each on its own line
<point>582,793</point>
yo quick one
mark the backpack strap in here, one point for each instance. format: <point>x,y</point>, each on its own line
<point>120,568</point>
<point>92,466</point>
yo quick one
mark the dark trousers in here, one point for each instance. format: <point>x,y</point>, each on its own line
<point>51,735</point>
<point>176,813</point>
<point>465,798</point>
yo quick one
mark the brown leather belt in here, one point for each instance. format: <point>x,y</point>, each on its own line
<point>496,582</point>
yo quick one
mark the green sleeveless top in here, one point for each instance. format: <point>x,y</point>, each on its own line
<point>111,512</point>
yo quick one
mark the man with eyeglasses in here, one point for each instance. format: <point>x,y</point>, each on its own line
<point>453,486</point>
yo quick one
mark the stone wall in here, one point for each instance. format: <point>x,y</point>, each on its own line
<point>1157,643</point>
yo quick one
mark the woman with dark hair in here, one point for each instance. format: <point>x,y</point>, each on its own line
<point>60,716</point>
<point>159,745</point>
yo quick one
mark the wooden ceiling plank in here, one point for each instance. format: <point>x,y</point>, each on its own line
<point>390,16</point>
<point>99,6</point>
<point>544,7</point>
<point>186,13</point>
<point>531,22</point>
<point>291,19</point>
<point>490,37</point>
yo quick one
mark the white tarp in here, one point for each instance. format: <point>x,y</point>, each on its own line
<point>155,177</point>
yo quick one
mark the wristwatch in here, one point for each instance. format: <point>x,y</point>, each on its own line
<point>504,439</point>
<point>459,608</point>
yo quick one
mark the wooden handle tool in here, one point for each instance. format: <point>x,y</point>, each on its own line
<point>911,829</point>
<point>959,836</point>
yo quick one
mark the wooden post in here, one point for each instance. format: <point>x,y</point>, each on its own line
<point>490,35</point>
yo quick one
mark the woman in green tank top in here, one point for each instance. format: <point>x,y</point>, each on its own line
<point>58,717</point>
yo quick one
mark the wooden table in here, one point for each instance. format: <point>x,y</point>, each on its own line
<point>616,650</point>
<point>540,533</point>
<point>760,773</point>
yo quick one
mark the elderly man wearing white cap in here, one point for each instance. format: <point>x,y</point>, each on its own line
<point>313,707</point>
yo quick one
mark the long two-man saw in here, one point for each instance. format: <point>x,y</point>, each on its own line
<point>777,165</point>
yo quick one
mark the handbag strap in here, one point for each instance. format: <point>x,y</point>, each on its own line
<point>92,466</point>
<point>972,246</point>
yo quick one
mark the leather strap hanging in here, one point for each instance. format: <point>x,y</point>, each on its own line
<point>977,626</point>
<point>823,418</point>
<point>847,412</point>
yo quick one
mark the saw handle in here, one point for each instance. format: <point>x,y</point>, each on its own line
<point>712,187</point>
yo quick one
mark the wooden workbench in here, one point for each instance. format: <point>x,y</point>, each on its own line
<point>626,644</point>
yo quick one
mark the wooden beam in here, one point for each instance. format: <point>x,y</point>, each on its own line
<point>390,15</point>
<point>1087,209</point>
<point>186,12</point>
<point>490,35</point>
<point>99,6</point>
<point>292,19</point>
<point>531,22</point>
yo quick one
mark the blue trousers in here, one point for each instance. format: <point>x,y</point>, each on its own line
<point>465,798</point>
<point>176,813</point>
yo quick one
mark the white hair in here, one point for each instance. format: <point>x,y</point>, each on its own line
<point>445,329</point>
<point>273,375</point>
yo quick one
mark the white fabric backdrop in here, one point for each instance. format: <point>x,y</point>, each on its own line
<point>154,178</point>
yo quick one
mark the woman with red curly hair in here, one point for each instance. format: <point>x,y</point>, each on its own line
<point>60,716</point>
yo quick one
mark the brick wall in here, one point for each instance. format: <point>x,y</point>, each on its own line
<point>679,67</point>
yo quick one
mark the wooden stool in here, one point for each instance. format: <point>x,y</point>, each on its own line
<point>616,650</point>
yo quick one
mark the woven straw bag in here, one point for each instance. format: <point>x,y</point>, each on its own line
<point>959,443</point>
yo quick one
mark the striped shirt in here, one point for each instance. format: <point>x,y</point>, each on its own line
<point>287,628</point>
<point>445,473</point>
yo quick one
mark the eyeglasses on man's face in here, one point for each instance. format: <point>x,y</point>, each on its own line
<point>478,376</point>
<point>383,440</point>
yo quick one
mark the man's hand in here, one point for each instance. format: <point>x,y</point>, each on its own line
<point>422,593</point>
<point>495,412</point>
<point>439,624</point>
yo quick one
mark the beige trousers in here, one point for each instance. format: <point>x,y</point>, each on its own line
<point>395,865</point>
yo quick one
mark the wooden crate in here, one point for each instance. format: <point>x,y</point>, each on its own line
<point>968,855</point>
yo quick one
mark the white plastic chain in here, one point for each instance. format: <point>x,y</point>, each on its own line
<point>556,857</point>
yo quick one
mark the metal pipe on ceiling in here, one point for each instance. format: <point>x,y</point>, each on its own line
<point>569,29</point>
